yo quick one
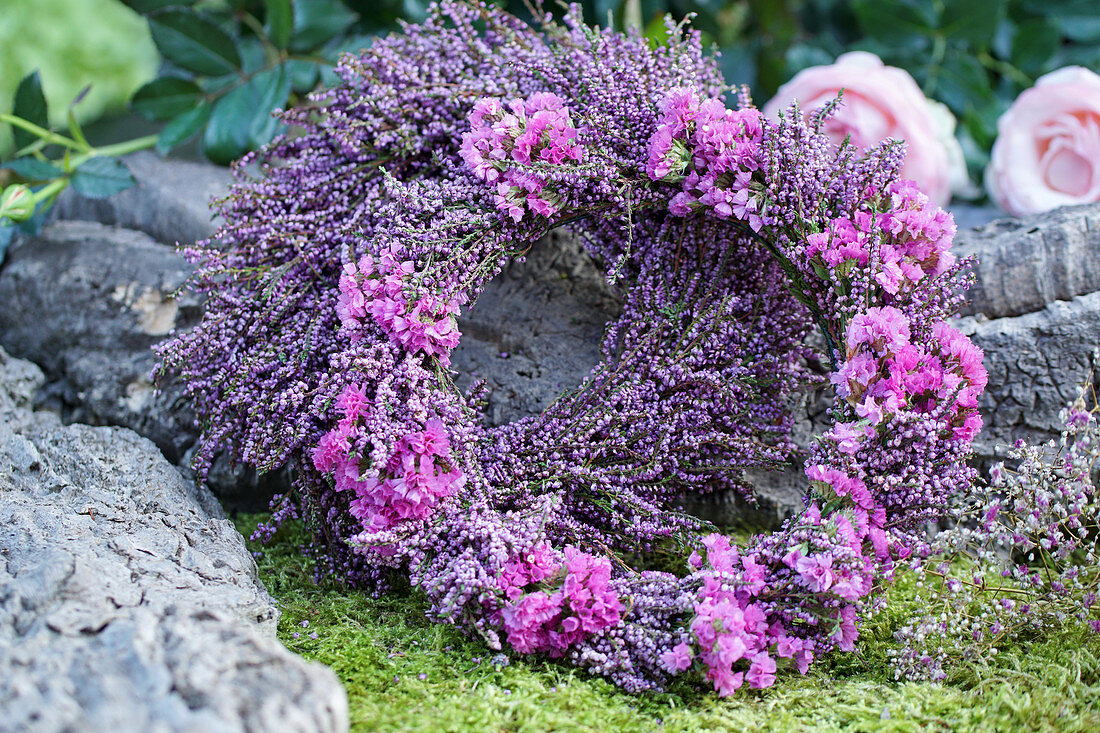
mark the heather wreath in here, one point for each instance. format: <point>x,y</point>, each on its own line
<point>333,292</point>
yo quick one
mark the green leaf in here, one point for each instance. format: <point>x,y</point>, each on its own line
<point>33,169</point>
<point>165,98</point>
<point>30,104</point>
<point>972,21</point>
<point>318,21</point>
<point>253,57</point>
<point>895,22</point>
<point>192,42</point>
<point>279,22</point>
<point>738,64</point>
<point>655,32</point>
<point>975,153</point>
<point>303,75</point>
<point>182,128</point>
<point>242,121</point>
<point>1034,43</point>
<point>961,83</point>
<point>1087,56</point>
<point>802,56</point>
<point>102,177</point>
<point>981,124</point>
<point>1079,20</point>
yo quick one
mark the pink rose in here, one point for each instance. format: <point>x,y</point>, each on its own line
<point>1047,152</point>
<point>882,102</point>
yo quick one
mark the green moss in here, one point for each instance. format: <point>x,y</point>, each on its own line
<point>404,673</point>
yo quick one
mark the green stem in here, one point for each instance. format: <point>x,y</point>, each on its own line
<point>309,57</point>
<point>50,190</point>
<point>939,48</point>
<point>41,132</point>
<point>797,285</point>
<point>112,151</point>
<point>1004,68</point>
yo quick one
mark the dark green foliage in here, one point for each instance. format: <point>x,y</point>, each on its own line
<point>194,43</point>
<point>229,68</point>
<point>30,104</point>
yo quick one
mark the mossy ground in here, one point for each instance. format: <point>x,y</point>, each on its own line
<point>404,673</point>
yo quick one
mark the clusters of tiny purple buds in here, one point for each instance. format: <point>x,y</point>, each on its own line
<point>1019,560</point>
<point>711,151</point>
<point>389,205</point>
<point>505,139</point>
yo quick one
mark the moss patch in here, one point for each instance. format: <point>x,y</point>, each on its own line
<point>404,673</point>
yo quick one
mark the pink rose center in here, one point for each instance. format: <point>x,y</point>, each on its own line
<point>1068,171</point>
<point>1069,150</point>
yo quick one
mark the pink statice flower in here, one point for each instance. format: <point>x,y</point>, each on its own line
<point>841,243</point>
<point>578,603</point>
<point>377,287</point>
<point>884,329</point>
<point>678,658</point>
<point>846,632</point>
<point>816,572</point>
<point>711,151</point>
<point>416,478</point>
<point>761,672</point>
<point>329,451</point>
<point>506,139</point>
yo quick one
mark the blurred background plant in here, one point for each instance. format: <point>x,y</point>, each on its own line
<point>225,65</point>
<point>73,43</point>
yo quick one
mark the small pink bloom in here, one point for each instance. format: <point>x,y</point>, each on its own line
<point>847,633</point>
<point>762,671</point>
<point>677,659</point>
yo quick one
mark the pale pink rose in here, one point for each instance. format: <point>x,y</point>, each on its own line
<point>882,102</point>
<point>1047,152</point>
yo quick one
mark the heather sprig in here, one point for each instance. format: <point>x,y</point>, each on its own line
<point>1020,559</point>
